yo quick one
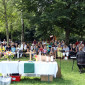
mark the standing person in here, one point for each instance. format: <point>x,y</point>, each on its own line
<point>66,48</point>
<point>80,59</point>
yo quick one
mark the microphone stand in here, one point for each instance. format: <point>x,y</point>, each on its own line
<point>60,57</point>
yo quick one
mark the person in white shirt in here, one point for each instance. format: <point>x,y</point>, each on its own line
<point>66,53</point>
<point>18,49</point>
<point>4,42</point>
<point>23,46</point>
<point>33,47</point>
<point>44,42</point>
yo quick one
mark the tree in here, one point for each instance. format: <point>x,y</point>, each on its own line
<point>13,18</point>
<point>40,17</point>
<point>66,15</point>
<point>22,23</point>
<point>47,17</point>
<point>19,6</point>
<point>6,21</point>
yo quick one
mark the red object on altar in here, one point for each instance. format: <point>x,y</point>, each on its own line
<point>15,77</point>
<point>35,56</point>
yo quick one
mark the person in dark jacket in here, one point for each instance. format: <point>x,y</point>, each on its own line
<point>81,59</point>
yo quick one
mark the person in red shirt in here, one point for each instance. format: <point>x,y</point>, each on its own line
<point>77,43</point>
<point>41,49</point>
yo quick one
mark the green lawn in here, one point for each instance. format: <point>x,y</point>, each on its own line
<point>69,77</point>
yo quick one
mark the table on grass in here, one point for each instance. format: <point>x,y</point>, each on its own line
<point>38,68</point>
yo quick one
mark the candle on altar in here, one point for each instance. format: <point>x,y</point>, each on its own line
<point>30,55</point>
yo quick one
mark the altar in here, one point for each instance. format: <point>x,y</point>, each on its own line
<point>30,67</point>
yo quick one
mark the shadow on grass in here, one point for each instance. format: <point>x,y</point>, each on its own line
<point>37,81</point>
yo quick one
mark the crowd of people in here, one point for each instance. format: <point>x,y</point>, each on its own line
<point>56,48</point>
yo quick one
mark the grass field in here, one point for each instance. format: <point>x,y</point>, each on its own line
<point>69,77</point>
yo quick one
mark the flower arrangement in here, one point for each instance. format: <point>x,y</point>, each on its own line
<point>8,55</point>
<point>35,57</point>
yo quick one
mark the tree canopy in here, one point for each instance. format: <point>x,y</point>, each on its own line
<point>42,18</point>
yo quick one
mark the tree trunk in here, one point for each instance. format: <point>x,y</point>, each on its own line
<point>11,28</point>
<point>67,34</point>
<point>22,24</point>
<point>6,22</point>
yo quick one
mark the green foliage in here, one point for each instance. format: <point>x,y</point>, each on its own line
<point>43,18</point>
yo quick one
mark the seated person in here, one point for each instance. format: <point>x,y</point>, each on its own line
<point>49,45</point>
<point>37,49</point>
<point>73,50</point>
<point>18,51</point>
<point>2,50</point>
<point>28,47</point>
<point>41,49</point>
<point>80,59</point>
<point>8,48</point>
<point>34,42</point>
<point>48,50</point>
<point>4,42</point>
<point>59,54</point>
<point>24,47</point>
<point>45,50</point>
<point>13,49</point>
<point>66,53</point>
<point>32,48</point>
